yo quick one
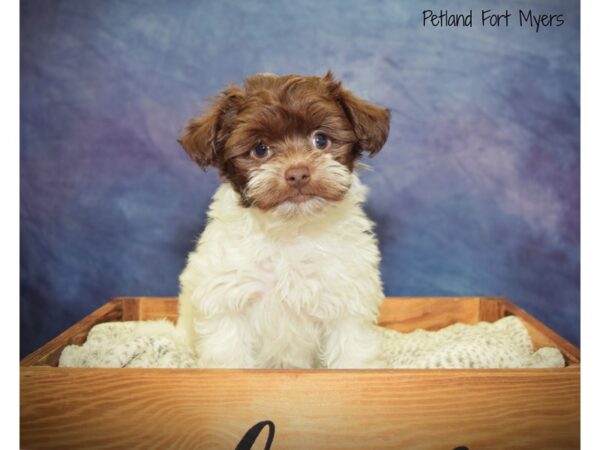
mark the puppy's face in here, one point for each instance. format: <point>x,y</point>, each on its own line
<point>289,143</point>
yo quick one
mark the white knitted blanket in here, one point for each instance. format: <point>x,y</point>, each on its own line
<point>502,344</point>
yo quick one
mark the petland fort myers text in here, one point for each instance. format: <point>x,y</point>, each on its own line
<point>493,19</point>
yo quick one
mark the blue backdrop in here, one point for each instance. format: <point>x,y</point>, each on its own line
<point>475,193</point>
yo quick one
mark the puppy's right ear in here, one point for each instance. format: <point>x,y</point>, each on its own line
<point>204,136</point>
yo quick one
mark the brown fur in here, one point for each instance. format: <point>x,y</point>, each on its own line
<point>284,113</point>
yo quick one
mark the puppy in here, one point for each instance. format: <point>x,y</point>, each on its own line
<point>285,274</point>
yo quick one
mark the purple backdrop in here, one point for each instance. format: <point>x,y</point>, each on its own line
<point>475,193</point>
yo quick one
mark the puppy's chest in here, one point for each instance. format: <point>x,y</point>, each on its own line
<point>297,267</point>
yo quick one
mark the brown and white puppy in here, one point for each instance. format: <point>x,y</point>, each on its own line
<point>286,272</point>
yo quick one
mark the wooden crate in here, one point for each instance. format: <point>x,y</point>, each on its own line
<point>312,409</point>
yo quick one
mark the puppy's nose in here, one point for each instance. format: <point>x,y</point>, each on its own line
<point>297,176</point>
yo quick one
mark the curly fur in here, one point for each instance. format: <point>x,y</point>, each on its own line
<point>277,282</point>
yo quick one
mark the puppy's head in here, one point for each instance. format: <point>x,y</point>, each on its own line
<point>287,143</point>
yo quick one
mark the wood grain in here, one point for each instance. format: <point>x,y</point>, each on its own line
<point>412,409</point>
<point>402,314</point>
<point>152,308</point>
<point>490,309</point>
<point>541,335</point>
<point>408,314</point>
<point>334,409</point>
<point>50,352</point>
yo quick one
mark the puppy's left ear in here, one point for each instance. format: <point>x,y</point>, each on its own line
<point>371,123</point>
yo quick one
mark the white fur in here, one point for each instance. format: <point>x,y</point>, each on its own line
<point>267,290</point>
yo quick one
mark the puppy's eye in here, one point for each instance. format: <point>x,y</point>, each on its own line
<point>260,151</point>
<point>320,141</point>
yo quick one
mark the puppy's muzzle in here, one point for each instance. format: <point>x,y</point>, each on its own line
<point>297,177</point>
